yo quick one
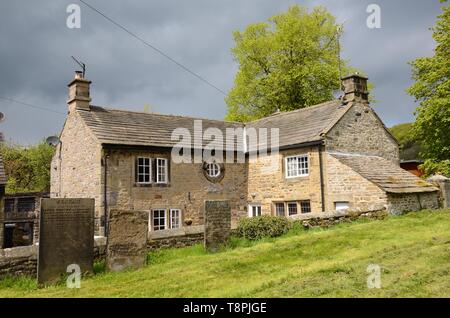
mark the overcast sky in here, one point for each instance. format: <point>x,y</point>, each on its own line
<point>36,45</point>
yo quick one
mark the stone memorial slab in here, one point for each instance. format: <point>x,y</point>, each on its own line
<point>66,237</point>
<point>217,224</point>
<point>127,240</point>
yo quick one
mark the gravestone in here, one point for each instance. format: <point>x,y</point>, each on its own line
<point>127,239</point>
<point>66,236</point>
<point>217,224</point>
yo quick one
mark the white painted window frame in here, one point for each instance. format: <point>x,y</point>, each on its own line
<point>178,217</point>
<point>152,215</point>
<point>166,167</point>
<point>209,169</point>
<point>336,203</point>
<point>149,169</point>
<point>250,209</point>
<point>298,174</point>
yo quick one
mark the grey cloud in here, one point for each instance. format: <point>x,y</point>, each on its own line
<point>36,45</point>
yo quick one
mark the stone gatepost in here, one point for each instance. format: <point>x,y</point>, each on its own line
<point>217,224</point>
<point>444,186</point>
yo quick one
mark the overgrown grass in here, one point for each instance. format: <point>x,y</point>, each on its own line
<point>412,250</point>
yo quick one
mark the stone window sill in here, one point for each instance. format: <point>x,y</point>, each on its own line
<point>152,185</point>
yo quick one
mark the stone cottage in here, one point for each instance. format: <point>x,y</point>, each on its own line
<point>333,156</point>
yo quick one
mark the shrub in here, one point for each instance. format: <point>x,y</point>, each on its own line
<point>262,226</point>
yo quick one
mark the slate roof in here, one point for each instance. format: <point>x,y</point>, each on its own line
<point>302,125</point>
<point>385,174</point>
<point>120,127</point>
<point>2,172</point>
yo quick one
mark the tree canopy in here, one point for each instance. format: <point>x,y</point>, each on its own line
<point>409,144</point>
<point>27,168</point>
<point>288,63</point>
<point>432,89</point>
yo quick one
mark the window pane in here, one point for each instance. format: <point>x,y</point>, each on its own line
<point>279,209</point>
<point>305,206</point>
<point>341,206</point>
<point>292,208</point>
<point>159,220</point>
<point>161,170</point>
<point>175,218</point>
<point>143,170</point>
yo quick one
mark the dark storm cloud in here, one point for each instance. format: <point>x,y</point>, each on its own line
<point>36,45</point>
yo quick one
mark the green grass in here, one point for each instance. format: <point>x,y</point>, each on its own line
<point>413,251</point>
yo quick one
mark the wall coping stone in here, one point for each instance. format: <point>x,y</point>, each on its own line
<point>328,215</point>
<point>186,230</point>
<point>19,252</point>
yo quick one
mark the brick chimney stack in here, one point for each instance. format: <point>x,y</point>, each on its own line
<point>355,88</point>
<point>79,93</point>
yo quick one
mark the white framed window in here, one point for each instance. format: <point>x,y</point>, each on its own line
<point>280,209</point>
<point>339,206</point>
<point>161,170</point>
<point>175,218</point>
<point>143,170</point>
<point>297,166</point>
<point>159,219</point>
<point>292,208</point>
<point>213,170</point>
<point>254,210</point>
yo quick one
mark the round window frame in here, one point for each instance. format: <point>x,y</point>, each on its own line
<point>216,178</point>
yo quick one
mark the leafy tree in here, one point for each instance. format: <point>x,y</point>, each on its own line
<point>27,168</point>
<point>289,63</point>
<point>409,144</point>
<point>432,90</point>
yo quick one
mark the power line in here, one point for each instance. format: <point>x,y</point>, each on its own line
<point>31,105</point>
<point>185,68</point>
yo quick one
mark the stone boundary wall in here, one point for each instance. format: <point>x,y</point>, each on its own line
<point>326,219</point>
<point>186,236</point>
<point>18,261</point>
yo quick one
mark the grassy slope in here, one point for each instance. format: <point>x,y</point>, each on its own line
<point>413,251</point>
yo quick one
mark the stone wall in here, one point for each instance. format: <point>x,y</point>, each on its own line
<point>76,168</point>
<point>187,190</point>
<point>175,241</point>
<point>327,219</point>
<point>361,131</point>
<point>345,185</point>
<point>18,261</point>
<point>266,185</point>
<point>407,202</point>
<point>22,260</point>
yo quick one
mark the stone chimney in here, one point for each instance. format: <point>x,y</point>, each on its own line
<point>79,93</point>
<point>355,88</point>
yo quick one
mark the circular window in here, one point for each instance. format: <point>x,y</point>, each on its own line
<point>212,170</point>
